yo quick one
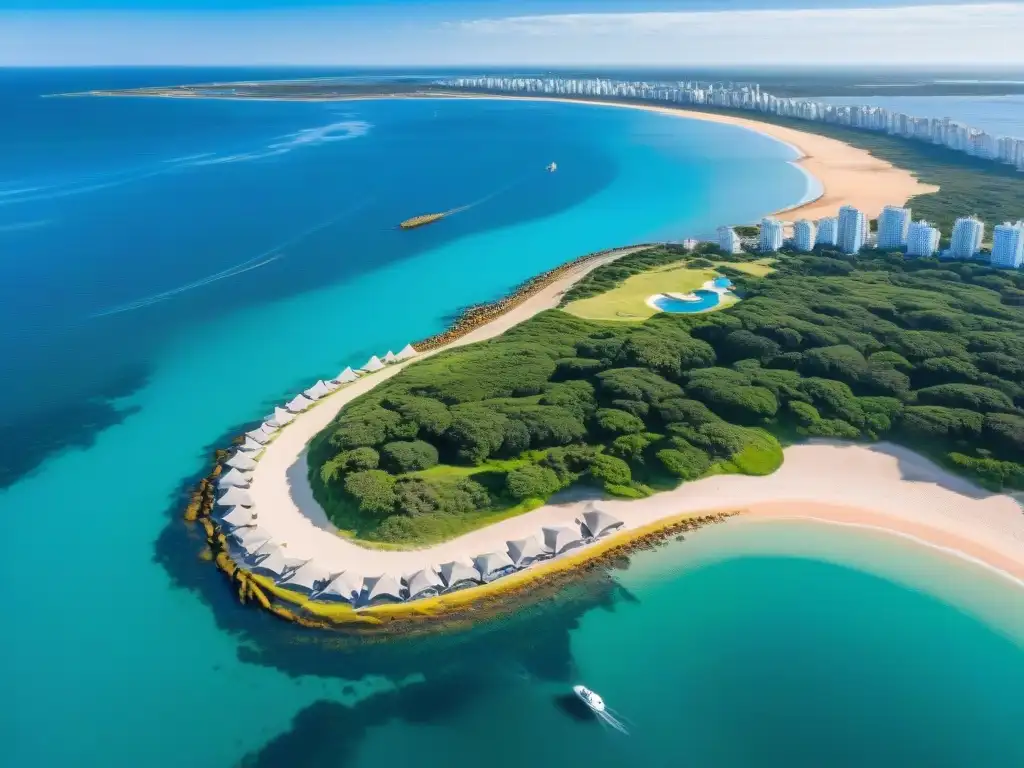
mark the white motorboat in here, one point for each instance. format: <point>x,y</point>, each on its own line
<point>552,168</point>
<point>588,697</point>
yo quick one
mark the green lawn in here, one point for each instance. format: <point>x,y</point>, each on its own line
<point>628,301</point>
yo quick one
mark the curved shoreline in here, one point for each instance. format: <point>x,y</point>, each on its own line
<point>846,175</point>
<point>888,487</point>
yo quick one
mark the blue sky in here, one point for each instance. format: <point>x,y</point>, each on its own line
<point>507,32</point>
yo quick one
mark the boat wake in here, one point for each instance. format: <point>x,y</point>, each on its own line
<point>612,719</point>
<point>488,197</point>
<point>262,260</point>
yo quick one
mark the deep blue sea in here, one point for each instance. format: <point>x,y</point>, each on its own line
<point>171,269</point>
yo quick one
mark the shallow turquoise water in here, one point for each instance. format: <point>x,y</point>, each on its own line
<point>759,644</point>
<point>123,642</point>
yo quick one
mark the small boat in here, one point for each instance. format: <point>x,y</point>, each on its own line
<point>552,168</point>
<point>588,697</point>
<point>420,221</point>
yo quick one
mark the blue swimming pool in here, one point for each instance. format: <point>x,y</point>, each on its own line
<point>705,300</point>
<point>722,282</point>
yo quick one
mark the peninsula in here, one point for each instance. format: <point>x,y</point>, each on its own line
<point>464,450</point>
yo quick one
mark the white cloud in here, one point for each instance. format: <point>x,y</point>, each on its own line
<point>933,34</point>
<point>942,35</point>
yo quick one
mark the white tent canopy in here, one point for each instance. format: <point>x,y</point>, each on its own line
<point>251,539</point>
<point>235,497</point>
<point>280,417</point>
<point>599,523</point>
<point>492,565</point>
<point>306,578</point>
<point>390,357</point>
<point>423,582</point>
<point>239,517</point>
<point>275,562</point>
<point>250,446</point>
<point>345,586</point>
<point>259,435</point>
<point>298,404</point>
<point>268,428</point>
<point>234,478</point>
<point>455,573</point>
<point>407,352</point>
<point>384,587</point>
<point>560,538</point>
<point>345,377</point>
<point>317,391</point>
<point>525,551</point>
<point>373,364</point>
<point>242,462</point>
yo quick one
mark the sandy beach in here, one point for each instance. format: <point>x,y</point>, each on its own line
<point>848,175</point>
<point>882,486</point>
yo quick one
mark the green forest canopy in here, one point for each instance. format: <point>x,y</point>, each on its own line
<point>865,347</point>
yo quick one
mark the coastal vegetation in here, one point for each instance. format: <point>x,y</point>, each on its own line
<point>855,347</point>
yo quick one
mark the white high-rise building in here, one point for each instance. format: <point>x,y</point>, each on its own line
<point>728,240</point>
<point>803,235</point>
<point>771,234</point>
<point>828,231</point>
<point>1008,245</point>
<point>852,224</point>
<point>893,227</point>
<point>922,239</point>
<point>968,233</point>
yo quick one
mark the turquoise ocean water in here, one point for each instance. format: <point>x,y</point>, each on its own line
<point>171,269</point>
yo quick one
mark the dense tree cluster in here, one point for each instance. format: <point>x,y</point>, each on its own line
<point>863,347</point>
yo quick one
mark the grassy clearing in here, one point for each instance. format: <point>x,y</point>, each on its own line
<point>628,301</point>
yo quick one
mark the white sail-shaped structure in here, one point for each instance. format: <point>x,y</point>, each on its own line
<point>280,418</point>
<point>423,583</point>
<point>373,364</point>
<point>307,578</point>
<point>456,575</point>
<point>406,352</point>
<point>235,497</point>
<point>390,358</point>
<point>268,428</point>
<point>251,539</point>
<point>560,538</point>
<point>275,562</point>
<point>241,461</point>
<point>317,391</point>
<point>234,478</point>
<point>238,517</point>
<point>250,446</point>
<point>493,565</point>
<point>345,586</point>
<point>523,552</point>
<point>298,404</point>
<point>260,436</point>
<point>598,523</point>
<point>383,588</point>
<point>346,377</point>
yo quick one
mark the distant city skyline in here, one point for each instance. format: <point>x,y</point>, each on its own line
<point>504,33</point>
